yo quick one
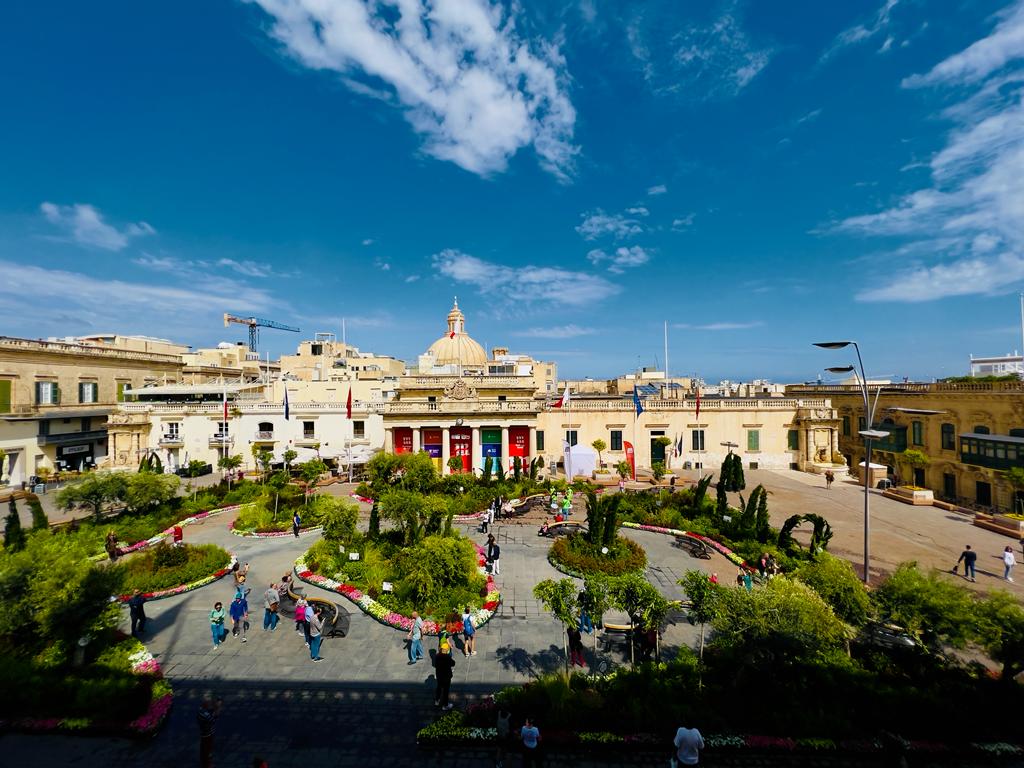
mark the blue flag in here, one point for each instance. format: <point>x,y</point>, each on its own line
<point>636,402</point>
<point>286,403</point>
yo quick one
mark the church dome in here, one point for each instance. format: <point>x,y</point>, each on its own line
<point>456,347</point>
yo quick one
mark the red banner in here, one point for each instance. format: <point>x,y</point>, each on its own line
<point>631,458</point>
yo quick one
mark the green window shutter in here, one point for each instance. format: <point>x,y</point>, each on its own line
<point>5,396</point>
<point>794,440</point>
<point>120,391</point>
<point>39,393</point>
<point>753,440</point>
<point>56,394</point>
<point>81,392</point>
<point>540,439</point>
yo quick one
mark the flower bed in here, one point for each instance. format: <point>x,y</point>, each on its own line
<point>574,556</point>
<point>183,588</point>
<point>161,697</point>
<point>154,540</point>
<point>390,618</point>
<point>718,547</point>
<point>252,533</point>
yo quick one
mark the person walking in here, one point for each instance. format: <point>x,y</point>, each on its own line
<point>530,735</point>
<point>239,613</point>
<point>445,666</point>
<point>308,626</point>
<point>415,638</point>
<point>485,519</point>
<point>296,522</point>
<point>270,605</point>
<point>622,484</point>
<point>575,647</point>
<point>468,633</point>
<point>829,479</point>
<point>968,557</point>
<point>316,626</point>
<point>137,612</point>
<point>209,711</point>
<point>110,544</point>
<point>217,617</point>
<point>503,728</point>
<point>688,743</point>
<point>1008,562</point>
<point>300,618</point>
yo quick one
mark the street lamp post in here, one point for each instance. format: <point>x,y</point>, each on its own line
<point>868,435</point>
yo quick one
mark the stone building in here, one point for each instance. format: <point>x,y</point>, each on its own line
<point>975,435</point>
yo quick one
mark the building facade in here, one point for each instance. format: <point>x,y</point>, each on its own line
<point>55,397</point>
<point>975,436</point>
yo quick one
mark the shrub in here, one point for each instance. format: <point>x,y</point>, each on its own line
<point>839,586</point>
<point>338,517</point>
<point>144,572</point>
<point>579,556</point>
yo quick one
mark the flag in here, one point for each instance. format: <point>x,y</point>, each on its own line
<point>636,402</point>
<point>563,400</point>
<point>451,335</point>
<point>679,444</point>
<point>630,458</point>
<point>286,409</point>
<point>348,404</point>
<point>697,415</point>
<point>225,407</point>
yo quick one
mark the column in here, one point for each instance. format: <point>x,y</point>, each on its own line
<point>446,450</point>
<point>810,444</point>
<point>504,448</point>
<point>415,439</point>
<point>834,433</point>
<point>477,451</point>
<point>389,440</point>
<point>531,449</point>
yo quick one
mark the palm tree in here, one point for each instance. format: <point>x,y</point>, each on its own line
<point>599,445</point>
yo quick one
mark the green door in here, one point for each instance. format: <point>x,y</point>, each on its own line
<point>657,449</point>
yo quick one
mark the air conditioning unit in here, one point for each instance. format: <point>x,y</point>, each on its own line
<point>753,465</point>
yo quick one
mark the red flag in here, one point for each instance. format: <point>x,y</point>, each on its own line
<point>451,335</point>
<point>563,400</point>
<point>225,406</point>
<point>697,415</point>
<point>348,404</point>
<point>631,458</point>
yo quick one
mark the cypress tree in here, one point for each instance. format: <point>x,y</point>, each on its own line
<point>722,500</point>
<point>14,534</point>
<point>373,530</point>
<point>738,481</point>
<point>39,521</point>
<point>762,529</point>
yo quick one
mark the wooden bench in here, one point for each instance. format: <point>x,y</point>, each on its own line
<point>331,614</point>
<point>564,528</point>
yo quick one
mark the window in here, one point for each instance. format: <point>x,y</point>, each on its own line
<point>948,437</point>
<point>861,424</point>
<point>308,430</point>
<point>697,439</point>
<point>172,428</point>
<point>88,392</point>
<point>431,398</point>
<point>1017,432</point>
<point>5,396</point>
<point>120,390</point>
<point>47,393</point>
<point>359,429</point>
<point>316,349</point>
<point>846,426</point>
<point>917,432</point>
<point>502,398</point>
<point>949,486</point>
<point>981,429</point>
<point>540,439</point>
<point>616,439</point>
<point>793,438</point>
<point>753,440</point>
<point>571,436</point>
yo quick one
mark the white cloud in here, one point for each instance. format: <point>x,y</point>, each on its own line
<point>860,33</point>
<point>657,189</point>
<point>524,283</point>
<point>984,57</point>
<point>598,224</point>
<point>622,258</point>
<point>965,229</point>
<point>119,304</point>
<point>382,265</point>
<point>368,241</point>
<point>412,278</point>
<point>198,268</point>
<point>722,326</point>
<point>683,222</point>
<point>475,87</point>
<point>570,331</point>
<point>638,210</point>
<point>85,225</point>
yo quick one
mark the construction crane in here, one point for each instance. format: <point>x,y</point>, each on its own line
<point>255,323</point>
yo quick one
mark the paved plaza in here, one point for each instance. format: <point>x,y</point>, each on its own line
<point>365,702</point>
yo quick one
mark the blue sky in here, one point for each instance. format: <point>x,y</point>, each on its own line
<point>577,173</point>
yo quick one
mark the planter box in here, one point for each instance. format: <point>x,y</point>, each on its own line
<point>919,497</point>
<point>1007,526</point>
<point>1009,523</point>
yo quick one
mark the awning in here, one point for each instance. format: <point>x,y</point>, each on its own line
<point>993,438</point>
<point>874,466</point>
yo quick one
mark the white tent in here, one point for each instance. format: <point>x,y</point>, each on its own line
<point>582,461</point>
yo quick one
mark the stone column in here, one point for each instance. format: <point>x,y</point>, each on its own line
<point>810,444</point>
<point>389,440</point>
<point>504,448</point>
<point>477,451</point>
<point>835,441</point>
<point>531,449</point>
<point>415,439</point>
<point>446,450</point>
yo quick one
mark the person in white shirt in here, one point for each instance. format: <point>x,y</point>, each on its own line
<point>688,743</point>
<point>1008,562</point>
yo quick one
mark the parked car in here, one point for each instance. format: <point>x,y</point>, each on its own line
<point>884,635</point>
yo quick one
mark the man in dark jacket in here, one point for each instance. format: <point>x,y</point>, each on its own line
<point>445,665</point>
<point>968,557</point>
<point>137,612</point>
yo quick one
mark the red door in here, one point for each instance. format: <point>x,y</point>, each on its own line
<point>518,445</point>
<point>461,445</point>
<point>403,439</point>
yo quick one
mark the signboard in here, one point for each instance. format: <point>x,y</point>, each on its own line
<point>492,450</point>
<point>403,440</point>
<point>630,458</point>
<point>431,436</point>
<point>434,451</point>
<point>490,436</point>
<point>75,449</point>
<point>519,441</point>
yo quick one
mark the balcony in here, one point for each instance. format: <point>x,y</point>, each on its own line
<point>219,440</point>
<point>68,438</point>
<point>896,442</point>
<point>1000,452</point>
<point>307,441</point>
<point>172,440</point>
<point>264,436</point>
